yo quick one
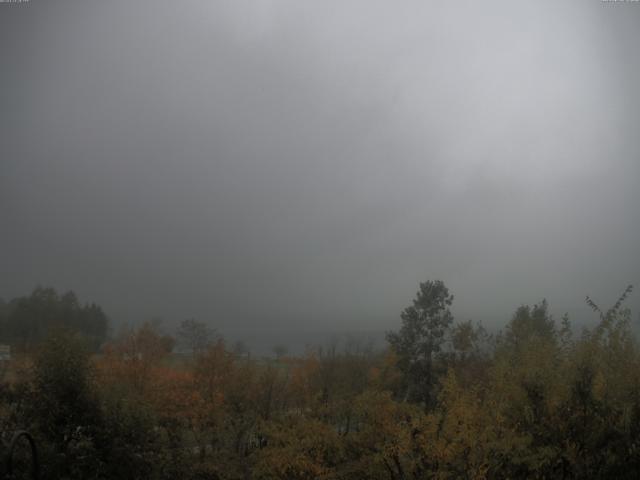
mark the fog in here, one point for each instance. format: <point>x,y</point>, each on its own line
<point>301,166</point>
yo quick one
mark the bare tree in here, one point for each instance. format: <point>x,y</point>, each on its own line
<point>240,349</point>
<point>280,351</point>
<point>196,336</point>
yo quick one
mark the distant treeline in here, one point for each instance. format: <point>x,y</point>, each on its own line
<point>26,321</point>
<point>446,400</point>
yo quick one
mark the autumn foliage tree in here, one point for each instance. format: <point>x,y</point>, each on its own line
<point>446,401</point>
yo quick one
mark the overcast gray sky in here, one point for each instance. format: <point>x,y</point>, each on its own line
<point>303,165</point>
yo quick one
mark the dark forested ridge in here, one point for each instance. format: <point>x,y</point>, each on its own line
<point>26,321</point>
<point>445,400</point>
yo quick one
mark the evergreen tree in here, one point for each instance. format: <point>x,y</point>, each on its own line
<point>425,326</point>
